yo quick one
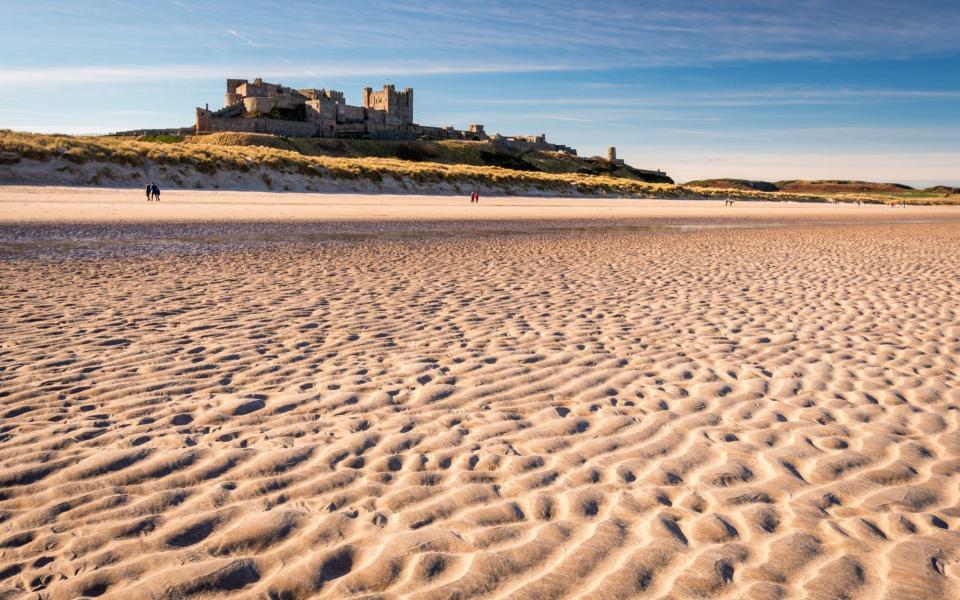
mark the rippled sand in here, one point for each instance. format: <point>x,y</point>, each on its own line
<point>745,413</point>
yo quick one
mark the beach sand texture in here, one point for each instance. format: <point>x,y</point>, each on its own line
<point>744,413</point>
<point>25,204</point>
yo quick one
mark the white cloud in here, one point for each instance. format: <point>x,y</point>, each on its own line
<point>559,118</point>
<point>242,37</point>
<point>58,76</point>
<point>779,96</point>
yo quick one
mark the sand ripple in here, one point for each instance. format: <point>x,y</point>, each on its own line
<point>751,414</point>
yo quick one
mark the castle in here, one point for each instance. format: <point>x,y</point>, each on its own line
<point>263,107</point>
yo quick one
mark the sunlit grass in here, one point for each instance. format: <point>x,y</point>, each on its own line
<point>456,163</point>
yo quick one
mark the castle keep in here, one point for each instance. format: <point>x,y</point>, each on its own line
<point>387,114</point>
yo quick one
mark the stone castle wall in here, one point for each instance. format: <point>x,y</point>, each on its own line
<point>261,125</point>
<point>263,107</point>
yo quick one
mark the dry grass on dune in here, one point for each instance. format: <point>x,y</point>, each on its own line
<point>841,190</point>
<point>210,159</point>
<point>125,161</point>
<point>738,414</point>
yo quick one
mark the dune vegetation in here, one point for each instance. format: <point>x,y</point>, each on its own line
<point>257,161</point>
<point>834,188</point>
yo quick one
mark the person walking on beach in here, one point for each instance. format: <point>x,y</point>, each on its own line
<point>149,192</point>
<point>156,191</point>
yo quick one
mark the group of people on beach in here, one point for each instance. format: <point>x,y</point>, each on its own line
<point>153,192</point>
<point>475,198</point>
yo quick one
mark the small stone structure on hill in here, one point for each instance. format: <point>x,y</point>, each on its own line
<point>612,156</point>
<point>263,107</point>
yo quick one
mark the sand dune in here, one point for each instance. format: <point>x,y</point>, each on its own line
<point>744,413</point>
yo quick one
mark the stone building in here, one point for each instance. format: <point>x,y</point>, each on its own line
<point>612,156</point>
<point>387,114</point>
<point>530,142</point>
<point>396,106</point>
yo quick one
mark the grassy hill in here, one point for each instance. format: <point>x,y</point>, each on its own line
<point>449,152</point>
<point>943,190</point>
<point>733,184</point>
<point>264,162</point>
<point>256,161</point>
<point>833,188</point>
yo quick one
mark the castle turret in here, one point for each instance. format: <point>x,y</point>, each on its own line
<point>475,132</point>
<point>408,108</point>
<point>612,156</point>
<point>232,97</point>
<point>396,105</point>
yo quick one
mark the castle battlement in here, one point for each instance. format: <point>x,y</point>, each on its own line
<point>396,105</point>
<point>258,106</point>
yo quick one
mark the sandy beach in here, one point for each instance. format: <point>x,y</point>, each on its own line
<point>292,396</point>
<point>112,205</point>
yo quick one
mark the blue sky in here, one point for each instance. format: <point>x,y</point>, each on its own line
<point>766,90</point>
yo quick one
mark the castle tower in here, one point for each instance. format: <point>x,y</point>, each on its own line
<point>407,105</point>
<point>390,99</point>
<point>232,97</point>
<point>476,129</point>
<point>398,105</point>
<point>612,154</point>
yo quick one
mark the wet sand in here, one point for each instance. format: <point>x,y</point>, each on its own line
<point>22,204</point>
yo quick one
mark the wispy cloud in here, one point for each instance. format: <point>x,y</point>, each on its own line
<point>778,96</point>
<point>561,118</point>
<point>608,33</point>
<point>243,38</point>
<point>38,76</point>
<point>140,113</point>
<point>643,32</point>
